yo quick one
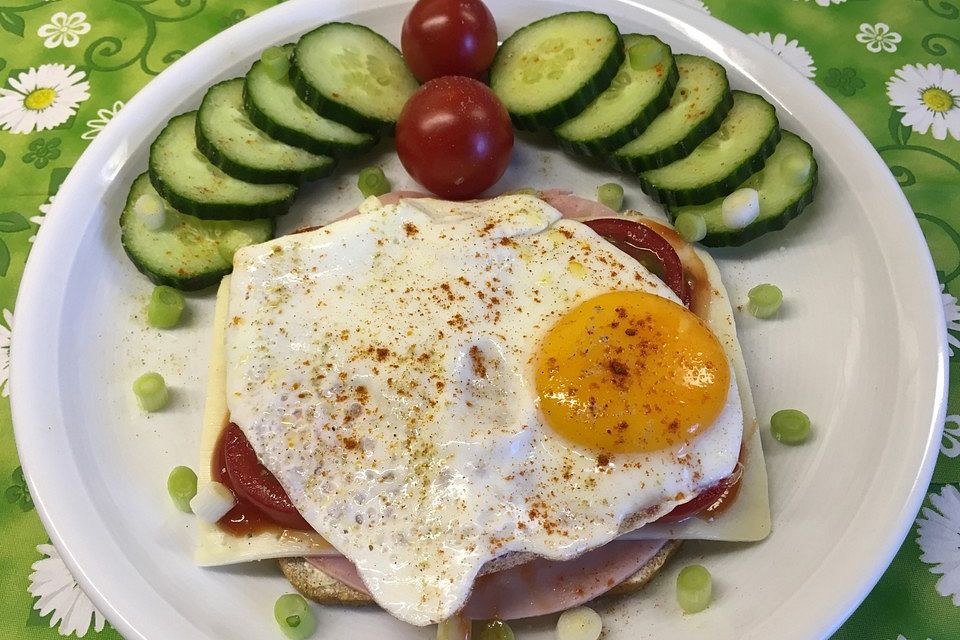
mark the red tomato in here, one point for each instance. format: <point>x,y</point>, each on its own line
<point>449,38</point>
<point>643,244</point>
<point>454,137</point>
<point>254,482</point>
<point>711,499</point>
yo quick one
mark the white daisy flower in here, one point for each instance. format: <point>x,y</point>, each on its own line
<point>38,220</point>
<point>794,54</point>
<point>827,3</point>
<point>929,97</point>
<point>42,98</point>
<point>951,311</point>
<point>64,29</point>
<point>696,4</point>
<point>5,328</point>
<point>950,444</point>
<point>60,594</point>
<point>103,117</point>
<point>878,37</point>
<point>938,536</point>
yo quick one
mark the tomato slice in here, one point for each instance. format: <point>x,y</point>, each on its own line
<point>711,501</point>
<point>647,247</point>
<point>256,484</point>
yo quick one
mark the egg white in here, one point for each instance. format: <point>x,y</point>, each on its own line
<point>382,368</point>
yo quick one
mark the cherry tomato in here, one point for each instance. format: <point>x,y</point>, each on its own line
<point>254,482</point>
<point>648,247</point>
<point>449,38</point>
<point>454,137</point>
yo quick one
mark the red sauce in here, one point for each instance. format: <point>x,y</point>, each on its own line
<point>244,519</point>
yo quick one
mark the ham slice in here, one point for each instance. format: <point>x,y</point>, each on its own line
<point>537,588</point>
<point>340,569</point>
<point>573,206</point>
<point>563,200</point>
<point>541,587</point>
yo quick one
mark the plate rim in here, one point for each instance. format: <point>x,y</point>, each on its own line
<point>106,153</point>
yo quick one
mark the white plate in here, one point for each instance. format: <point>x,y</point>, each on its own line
<point>860,346</point>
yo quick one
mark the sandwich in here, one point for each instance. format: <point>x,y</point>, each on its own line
<point>491,409</point>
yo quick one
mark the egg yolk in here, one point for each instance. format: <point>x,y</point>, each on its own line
<point>629,371</point>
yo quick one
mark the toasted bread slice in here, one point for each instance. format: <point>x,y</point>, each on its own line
<point>319,587</point>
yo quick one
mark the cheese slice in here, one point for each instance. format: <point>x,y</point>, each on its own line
<point>748,519</point>
<point>214,545</point>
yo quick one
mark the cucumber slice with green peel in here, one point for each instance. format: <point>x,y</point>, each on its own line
<point>192,184</point>
<point>274,107</point>
<point>352,75</point>
<point>186,252</point>
<point>634,98</point>
<point>698,105</point>
<point>746,137</point>
<point>551,70</point>
<point>786,185</point>
<point>230,141</point>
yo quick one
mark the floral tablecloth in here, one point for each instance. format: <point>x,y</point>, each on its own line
<point>67,67</point>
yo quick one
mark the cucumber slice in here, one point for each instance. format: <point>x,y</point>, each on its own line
<point>785,185</point>
<point>747,136</point>
<point>628,106</point>
<point>550,70</point>
<point>186,252</point>
<point>229,140</point>
<point>699,104</point>
<point>188,181</point>
<point>273,106</point>
<point>352,75</point>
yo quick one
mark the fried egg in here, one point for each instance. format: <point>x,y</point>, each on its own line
<point>439,385</point>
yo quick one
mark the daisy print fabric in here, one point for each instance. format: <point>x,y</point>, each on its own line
<point>938,535</point>
<point>878,37</point>
<point>42,98</point>
<point>68,68</point>
<point>60,597</point>
<point>64,29</point>
<point>790,50</point>
<point>928,96</point>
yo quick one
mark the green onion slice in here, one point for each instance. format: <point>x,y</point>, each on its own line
<point>796,168</point>
<point>151,210</point>
<point>790,426</point>
<point>495,630</point>
<point>644,55</point>
<point>151,391</point>
<point>580,623</point>
<point>294,616</point>
<point>372,182</point>
<point>182,486</point>
<point>764,300</point>
<point>694,588</point>
<point>276,61</point>
<point>610,195</point>
<point>691,228</point>
<point>231,241</point>
<point>165,307</point>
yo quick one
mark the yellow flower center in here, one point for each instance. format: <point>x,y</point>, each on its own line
<point>39,99</point>
<point>937,99</point>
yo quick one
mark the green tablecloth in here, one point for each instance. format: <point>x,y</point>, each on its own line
<point>66,68</point>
